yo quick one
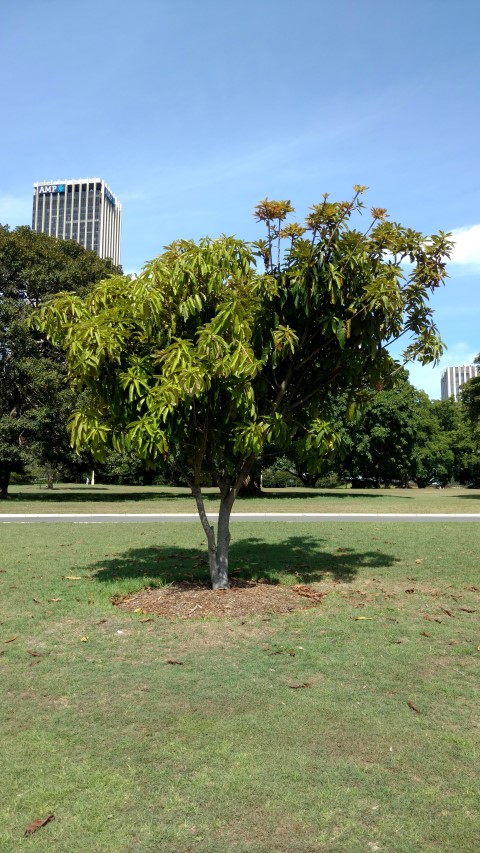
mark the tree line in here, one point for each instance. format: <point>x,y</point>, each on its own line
<point>400,438</point>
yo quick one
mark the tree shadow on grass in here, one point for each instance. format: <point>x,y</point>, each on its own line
<point>86,494</point>
<point>346,494</point>
<point>104,494</point>
<point>468,497</point>
<point>296,559</point>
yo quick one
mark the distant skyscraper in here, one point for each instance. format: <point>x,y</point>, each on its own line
<point>454,377</point>
<point>84,210</point>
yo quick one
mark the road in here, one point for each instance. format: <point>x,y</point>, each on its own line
<point>115,518</point>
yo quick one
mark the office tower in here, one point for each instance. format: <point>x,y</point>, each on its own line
<point>84,210</point>
<point>454,377</point>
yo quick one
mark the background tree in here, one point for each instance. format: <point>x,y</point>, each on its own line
<point>463,438</point>
<point>203,360</point>
<point>317,463</point>
<point>383,437</point>
<point>433,458</point>
<point>33,395</point>
<point>470,396</point>
<point>402,435</point>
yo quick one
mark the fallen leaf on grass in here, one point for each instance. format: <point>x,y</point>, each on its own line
<point>363,618</point>
<point>37,654</point>
<point>72,578</point>
<point>178,662</point>
<point>467,610</point>
<point>412,706</point>
<point>36,600</point>
<point>84,639</point>
<point>410,590</point>
<point>474,588</point>
<point>37,824</point>
<point>306,592</point>
<point>299,686</point>
<point>419,561</point>
<point>424,634</point>
<point>448,612</point>
<point>54,599</point>
<point>11,640</point>
<point>150,619</point>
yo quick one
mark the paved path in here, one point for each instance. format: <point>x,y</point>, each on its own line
<point>114,517</point>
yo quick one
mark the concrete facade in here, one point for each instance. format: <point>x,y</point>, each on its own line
<point>454,377</point>
<point>81,209</point>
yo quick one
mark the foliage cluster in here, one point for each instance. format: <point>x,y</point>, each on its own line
<point>34,398</point>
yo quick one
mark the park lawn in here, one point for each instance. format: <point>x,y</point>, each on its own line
<point>140,499</point>
<point>226,752</point>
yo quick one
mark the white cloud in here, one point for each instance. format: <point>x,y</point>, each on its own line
<point>458,353</point>
<point>428,378</point>
<point>15,210</point>
<point>467,246</point>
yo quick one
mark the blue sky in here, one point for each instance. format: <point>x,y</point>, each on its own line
<point>193,110</point>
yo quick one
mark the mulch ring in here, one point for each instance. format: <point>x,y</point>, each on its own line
<point>193,600</point>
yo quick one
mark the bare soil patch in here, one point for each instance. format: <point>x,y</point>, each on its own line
<point>194,600</point>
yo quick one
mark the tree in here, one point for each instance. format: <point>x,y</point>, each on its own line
<point>203,360</point>
<point>383,437</point>
<point>33,395</point>
<point>470,396</point>
<point>398,438</point>
<point>315,464</point>
<point>433,457</point>
<point>462,434</point>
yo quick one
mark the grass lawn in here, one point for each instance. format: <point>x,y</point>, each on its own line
<point>220,754</point>
<point>100,498</point>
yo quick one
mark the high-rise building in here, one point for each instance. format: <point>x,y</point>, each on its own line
<point>84,210</point>
<point>454,377</point>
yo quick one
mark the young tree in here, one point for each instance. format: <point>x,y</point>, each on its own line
<point>203,360</point>
<point>32,374</point>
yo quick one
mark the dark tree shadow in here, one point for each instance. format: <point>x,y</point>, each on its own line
<point>345,494</point>
<point>304,559</point>
<point>91,494</point>
<point>102,494</point>
<point>467,497</point>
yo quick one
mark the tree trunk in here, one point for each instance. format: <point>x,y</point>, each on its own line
<point>217,549</point>
<point>251,486</point>
<point>308,480</point>
<point>4,482</point>
<point>221,580</point>
<point>50,479</point>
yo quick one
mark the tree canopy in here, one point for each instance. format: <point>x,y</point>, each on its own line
<point>470,396</point>
<point>203,359</point>
<point>34,398</point>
